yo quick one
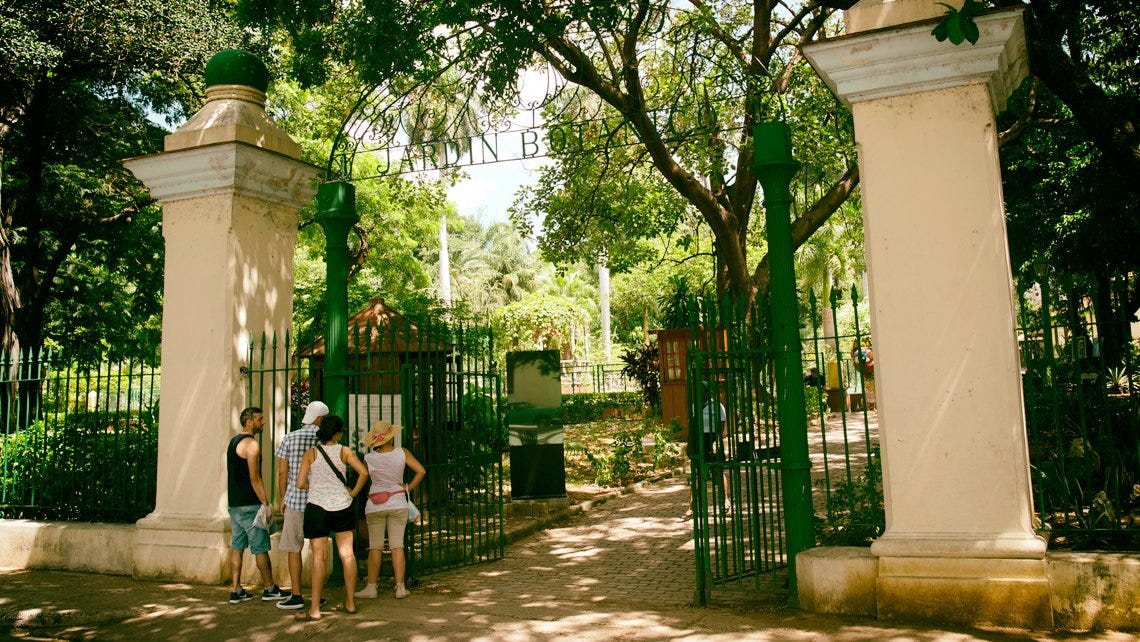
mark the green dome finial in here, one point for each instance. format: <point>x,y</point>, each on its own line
<point>237,67</point>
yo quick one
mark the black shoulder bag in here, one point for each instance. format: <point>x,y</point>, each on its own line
<point>337,472</point>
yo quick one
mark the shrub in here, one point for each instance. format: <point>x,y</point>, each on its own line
<point>86,466</point>
<point>643,366</point>
<point>621,458</point>
<point>583,407</point>
<point>815,402</point>
<point>478,445</point>
<point>856,513</point>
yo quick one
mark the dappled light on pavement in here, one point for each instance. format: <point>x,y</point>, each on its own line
<point>633,549</point>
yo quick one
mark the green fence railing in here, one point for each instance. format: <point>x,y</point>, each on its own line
<point>78,444</point>
<point>1082,401</point>
<point>595,377</point>
<point>436,379</point>
<point>843,436</point>
<point>279,382</point>
<point>1079,360</point>
<point>736,471</point>
<point>81,443</point>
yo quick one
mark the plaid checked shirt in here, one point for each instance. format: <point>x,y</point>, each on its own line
<point>292,449</point>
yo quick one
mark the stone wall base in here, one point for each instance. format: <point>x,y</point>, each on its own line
<point>963,590</point>
<point>1065,591</point>
<point>182,549</point>
<point>837,579</point>
<point>67,546</point>
<point>155,548</point>
<point>1095,591</point>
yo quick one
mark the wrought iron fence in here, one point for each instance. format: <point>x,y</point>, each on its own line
<point>1079,360</point>
<point>1082,398</point>
<point>595,377</point>
<point>734,447</point>
<point>843,437</point>
<point>78,444</point>
<point>81,443</point>
<point>279,382</point>
<point>729,374</point>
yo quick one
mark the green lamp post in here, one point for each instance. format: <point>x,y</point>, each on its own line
<point>775,167</point>
<point>336,214</point>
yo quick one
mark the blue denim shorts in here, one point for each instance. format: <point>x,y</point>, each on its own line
<point>245,534</point>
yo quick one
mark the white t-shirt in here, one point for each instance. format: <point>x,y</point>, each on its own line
<point>708,421</point>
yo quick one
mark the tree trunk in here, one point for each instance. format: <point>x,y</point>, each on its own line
<point>1108,123</point>
<point>29,285</point>
<point>1111,322</point>
<point>9,302</point>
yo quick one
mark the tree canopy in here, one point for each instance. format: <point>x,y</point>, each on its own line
<point>649,120</point>
<point>80,83</point>
<point>681,84</point>
<point>1086,52</point>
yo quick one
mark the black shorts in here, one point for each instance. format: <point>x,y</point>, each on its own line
<point>320,522</point>
<point>708,446</point>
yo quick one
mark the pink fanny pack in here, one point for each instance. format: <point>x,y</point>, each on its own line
<point>383,496</point>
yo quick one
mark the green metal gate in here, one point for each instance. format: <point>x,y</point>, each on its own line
<point>436,380</point>
<point>452,424</point>
<point>734,445</point>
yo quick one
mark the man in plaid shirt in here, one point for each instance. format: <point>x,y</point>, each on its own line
<point>289,454</point>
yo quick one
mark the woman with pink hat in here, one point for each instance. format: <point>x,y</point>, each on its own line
<point>387,506</point>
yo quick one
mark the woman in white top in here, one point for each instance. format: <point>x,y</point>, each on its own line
<point>330,508</point>
<point>387,506</point>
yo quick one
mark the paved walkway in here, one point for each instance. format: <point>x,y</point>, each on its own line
<point>633,550</point>
<point>621,570</point>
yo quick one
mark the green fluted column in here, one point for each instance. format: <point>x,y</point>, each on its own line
<point>774,166</point>
<point>336,213</point>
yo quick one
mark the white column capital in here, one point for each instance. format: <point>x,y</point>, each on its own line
<point>226,168</point>
<point>907,59</point>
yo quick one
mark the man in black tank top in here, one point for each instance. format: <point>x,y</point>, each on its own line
<point>246,495</point>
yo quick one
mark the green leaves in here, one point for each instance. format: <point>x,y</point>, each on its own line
<point>541,322</point>
<point>959,25</point>
<point>83,83</point>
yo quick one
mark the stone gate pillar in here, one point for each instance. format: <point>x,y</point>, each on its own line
<point>230,183</point>
<point>959,544</point>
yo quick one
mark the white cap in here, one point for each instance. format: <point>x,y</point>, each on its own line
<point>314,410</point>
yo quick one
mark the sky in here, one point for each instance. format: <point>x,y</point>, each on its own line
<point>490,189</point>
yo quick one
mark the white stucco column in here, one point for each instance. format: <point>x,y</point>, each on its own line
<point>230,183</point>
<point>959,543</point>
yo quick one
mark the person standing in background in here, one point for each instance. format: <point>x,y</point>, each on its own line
<point>387,509</point>
<point>330,509</point>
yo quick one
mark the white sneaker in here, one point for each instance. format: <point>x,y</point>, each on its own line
<point>401,592</point>
<point>369,591</point>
